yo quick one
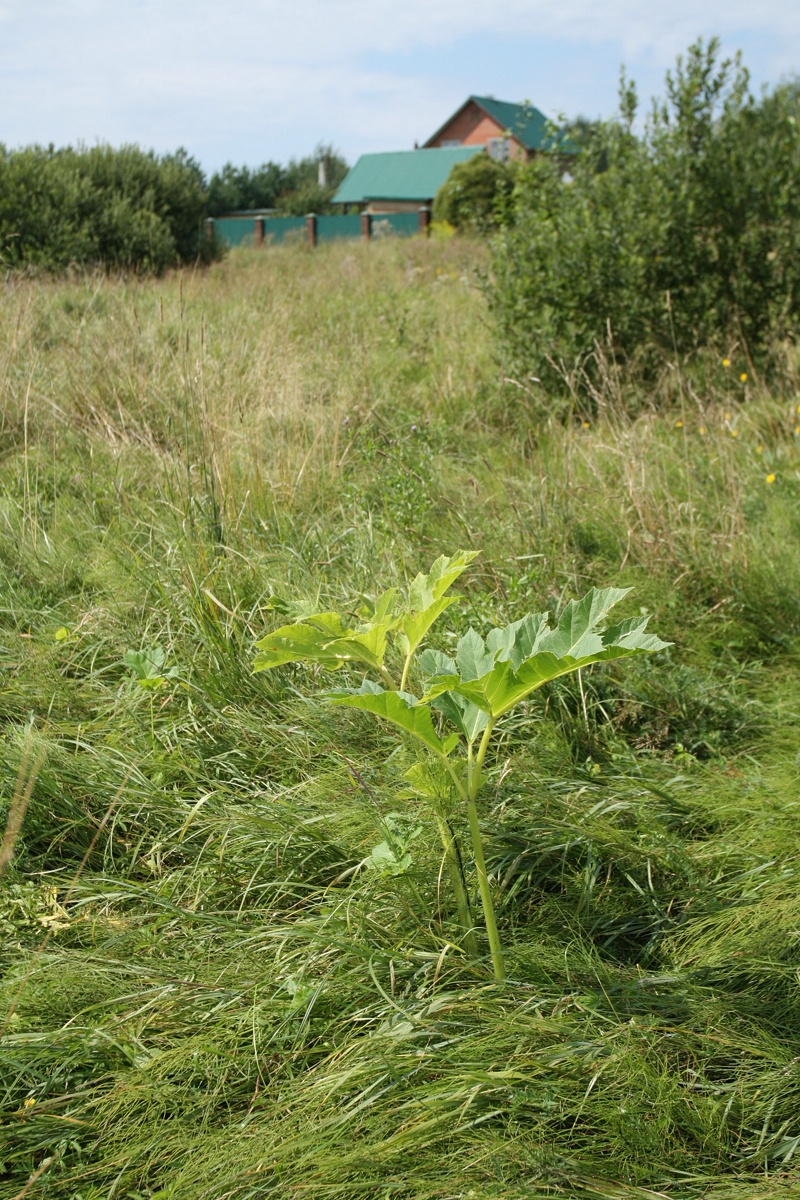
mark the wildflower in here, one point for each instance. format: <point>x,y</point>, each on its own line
<point>734,433</point>
<point>759,449</point>
<point>796,430</point>
<point>679,424</point>
<point>413,429</point>
<point>703,429</point>
<point>743,377</point>
<point>29,1103</point>
<point>726,362</point>
<point>585,424</point>
<point>727,416</point>
<point>798,408</point>
<point>770,478</point>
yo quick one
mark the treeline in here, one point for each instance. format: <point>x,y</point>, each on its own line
<point>131,209</point>
<point>659,242</point>
<point>292,190</point>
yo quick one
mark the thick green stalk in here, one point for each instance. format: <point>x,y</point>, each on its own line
<point>457,880</point>
<point>475,772</point>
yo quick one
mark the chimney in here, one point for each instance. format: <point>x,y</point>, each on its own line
<point>322,174</point>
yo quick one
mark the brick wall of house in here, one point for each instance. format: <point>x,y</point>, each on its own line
<point>473,127</point>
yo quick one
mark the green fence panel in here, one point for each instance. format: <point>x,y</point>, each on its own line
<point>235,231</point>
<point>241,231</point>
<point>284,229</point>
<point>342,225</point>
<point>403,224</point>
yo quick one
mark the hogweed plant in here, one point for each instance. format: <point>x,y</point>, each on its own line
<point>450,706</point>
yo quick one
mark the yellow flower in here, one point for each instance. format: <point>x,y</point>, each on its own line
<point>726,362</point>
<point>679,424</point>
<point>29,1103</point>
<point>702,429</point>
<point>734,433</point>
<point>770,478</point>
<point>727,416</point>
<point>585,424</point>
<point>798,408</point>
<point>743,377</point>
<point>796,430</point>
<point>759,449</point>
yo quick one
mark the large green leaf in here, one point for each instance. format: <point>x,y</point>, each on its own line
<point>400,709</point>
<point>577,641</point>
<point>426,596</point>
<point>298,643</point>
<point>472,658</point>
<point>324,639</point>
<point>518,641</point>
<point>445,571</point>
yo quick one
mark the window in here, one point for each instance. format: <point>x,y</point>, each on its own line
<point>499,148</point>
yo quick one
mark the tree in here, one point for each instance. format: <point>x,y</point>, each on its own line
<point>475,193</point>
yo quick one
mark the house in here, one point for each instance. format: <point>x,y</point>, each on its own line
<point>405,180</point>
<point>400,180</point>
<point>506,131</point>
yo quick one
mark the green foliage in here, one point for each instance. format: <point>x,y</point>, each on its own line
<point>234,188</point>
<point>682,237</point>
<point>230,964</point>
<point>484,682</point>
<point>146,666</point>
<point>293,189</point>
<point>126,209</point>
<point>475,194</point>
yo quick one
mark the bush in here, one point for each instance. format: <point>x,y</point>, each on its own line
<point>684,237</point>
<point>475,194</point>
<point>125,208</point>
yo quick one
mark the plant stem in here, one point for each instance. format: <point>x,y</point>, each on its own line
<point>457,880</point>
<point>387,679</point>
<point>480,861</point>
<point>486,895</point>
<point>474,771</point>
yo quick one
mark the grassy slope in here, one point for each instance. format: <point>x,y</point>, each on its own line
<point>200,991</point>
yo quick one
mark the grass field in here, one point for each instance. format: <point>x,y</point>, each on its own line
<point>206,990</point>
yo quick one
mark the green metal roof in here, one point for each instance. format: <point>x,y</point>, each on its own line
<point>526,123</point>
<point>401,174</point>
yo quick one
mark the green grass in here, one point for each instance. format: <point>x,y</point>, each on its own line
<point>203,990</point>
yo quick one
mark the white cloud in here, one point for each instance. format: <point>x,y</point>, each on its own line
<point>192,71</point>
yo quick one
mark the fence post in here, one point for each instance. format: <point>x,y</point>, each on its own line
<point>311,229</point>
<point>209,228</point>
<point>425,220</point>
<point>259,231</point>
<point>366,225</point>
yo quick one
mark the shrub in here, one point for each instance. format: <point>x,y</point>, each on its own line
<point>474,194</point>
<point>689,237</point>
<point>125,208</point>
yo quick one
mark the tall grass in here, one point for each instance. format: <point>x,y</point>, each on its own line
<point>206,990</point>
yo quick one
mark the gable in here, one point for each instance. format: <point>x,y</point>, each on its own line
<point>470,125</point>
<point>482,117</point>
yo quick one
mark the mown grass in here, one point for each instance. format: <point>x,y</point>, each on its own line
<point>205,993</point>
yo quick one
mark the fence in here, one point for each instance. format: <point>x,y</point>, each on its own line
<point>257,230</point>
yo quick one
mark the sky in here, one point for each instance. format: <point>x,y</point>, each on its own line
<point>251,80</point>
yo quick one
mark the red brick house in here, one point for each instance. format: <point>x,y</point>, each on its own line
<point>507,131</point>
<point>402,180</point>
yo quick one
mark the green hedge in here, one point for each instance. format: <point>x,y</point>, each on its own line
<point>127,208</point>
